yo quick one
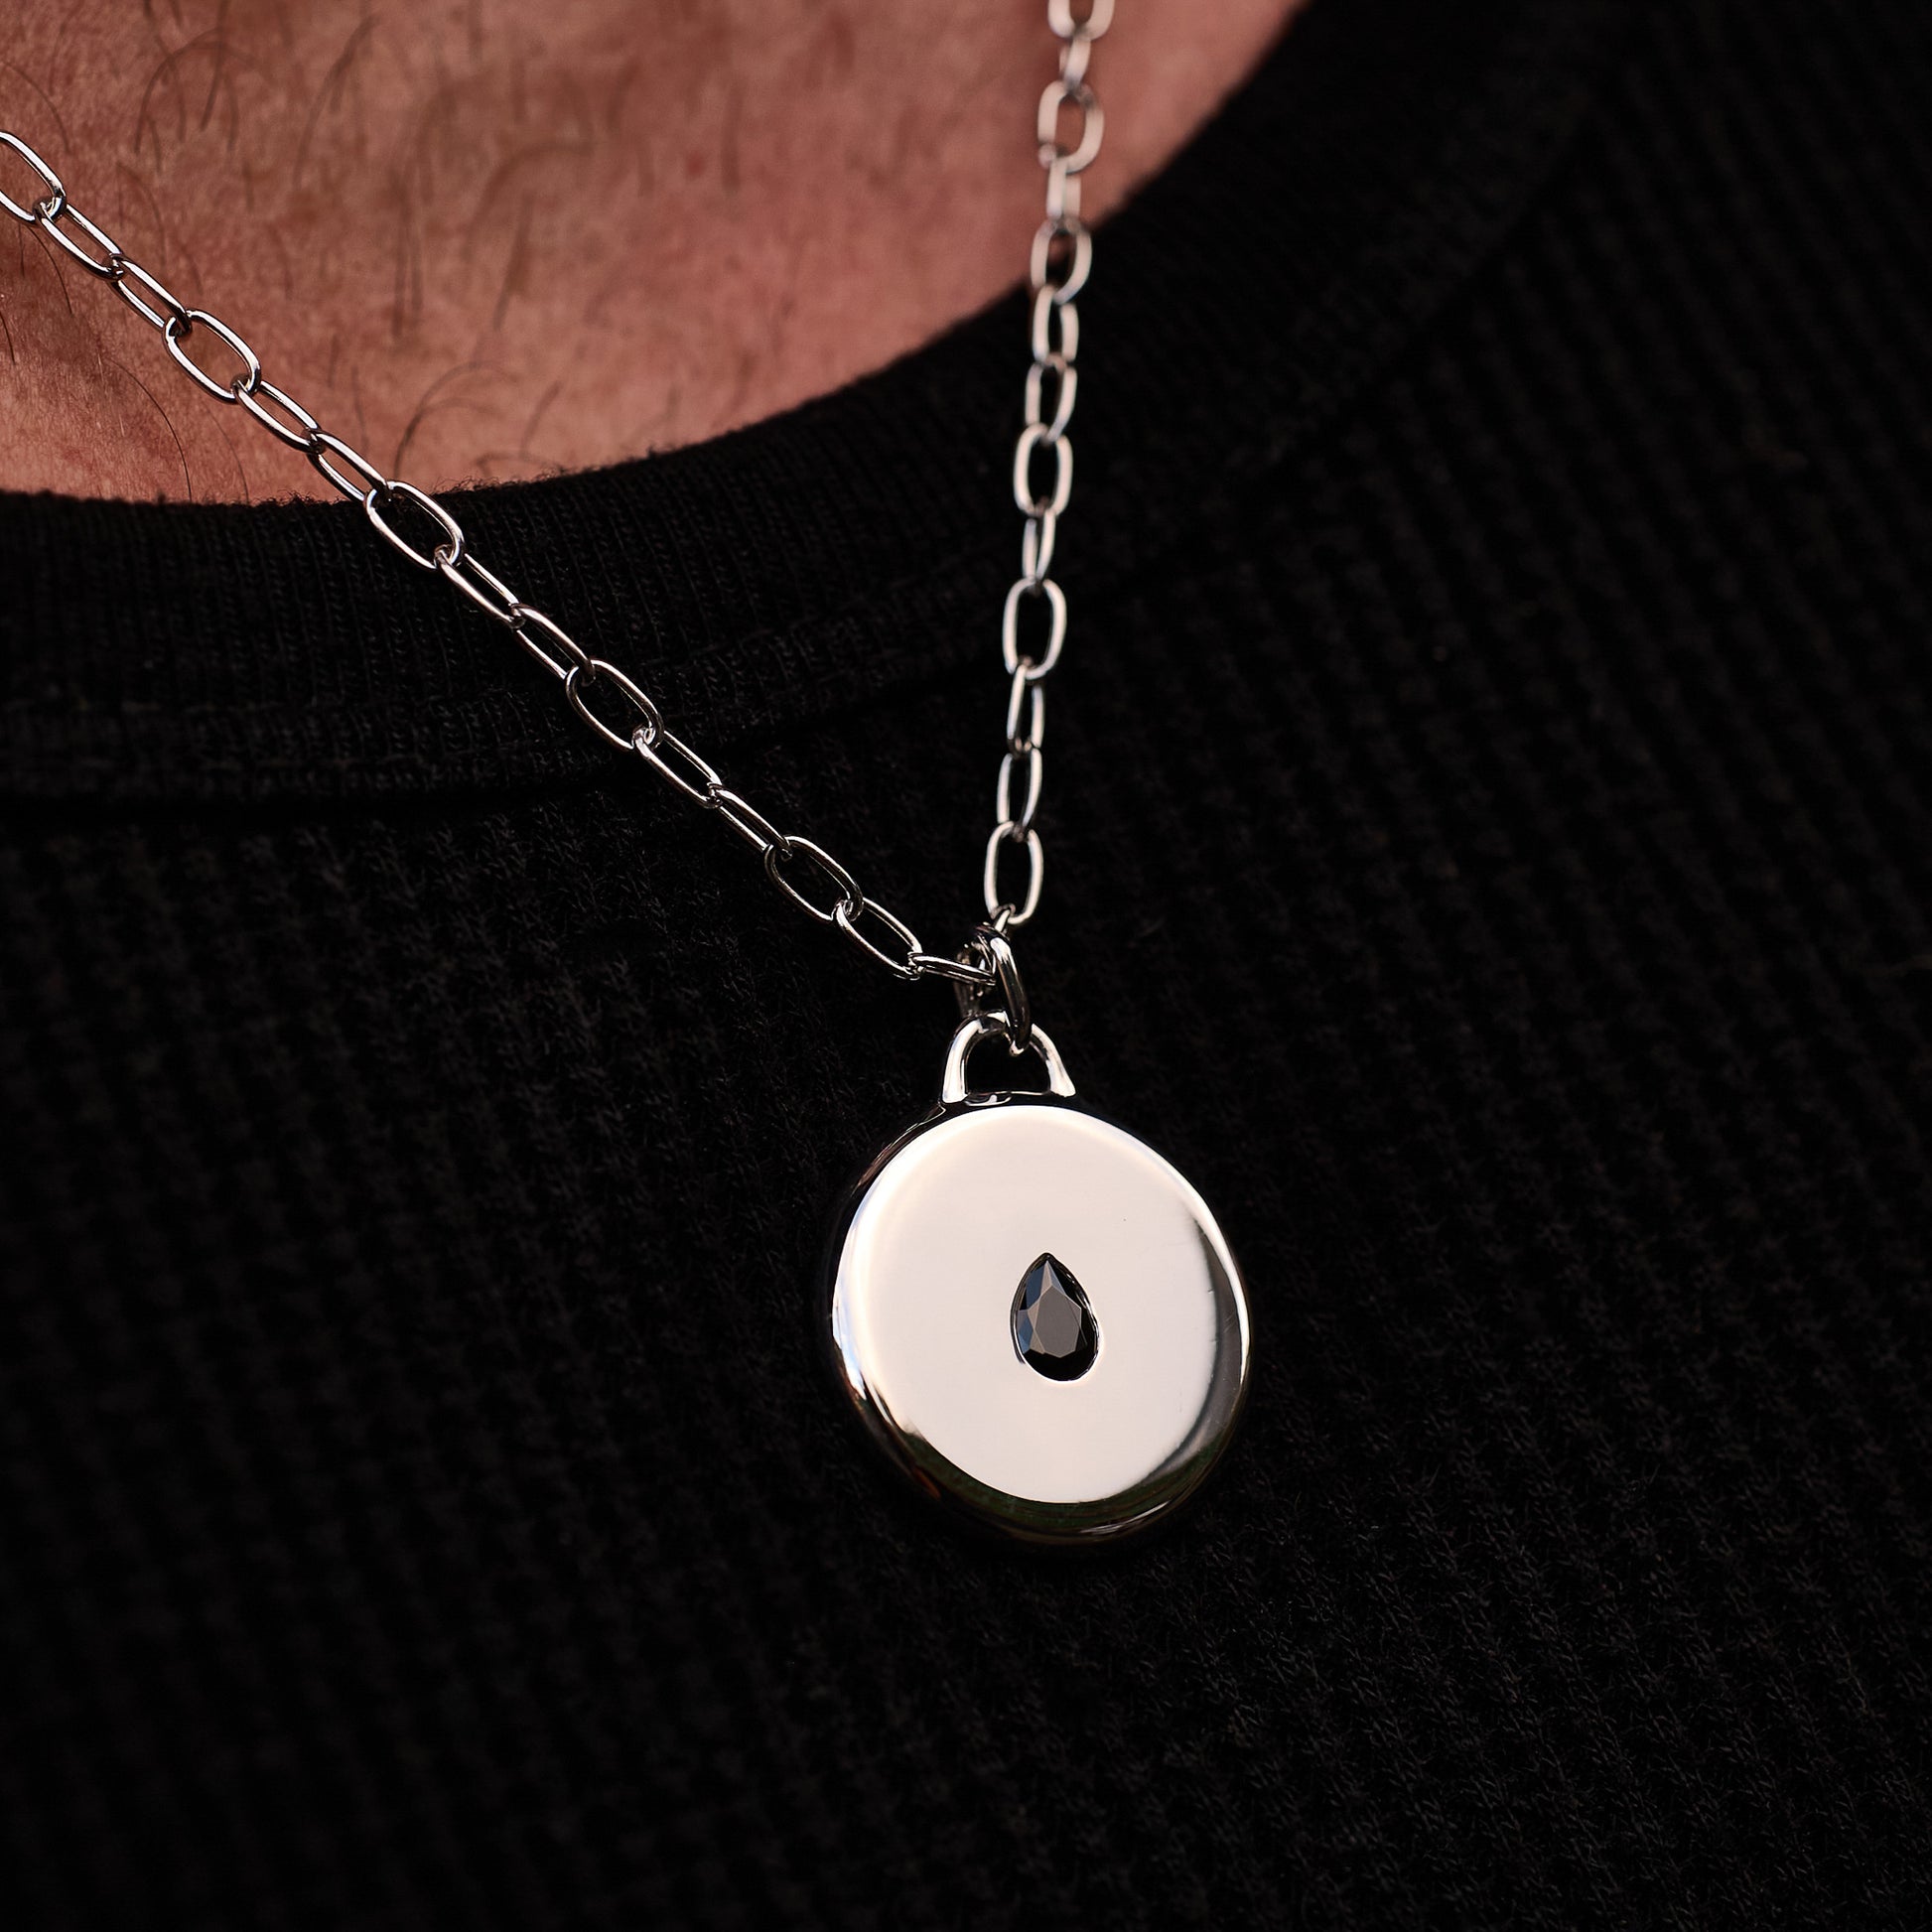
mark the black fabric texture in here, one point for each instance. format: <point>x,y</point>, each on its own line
<point>1490,853</point>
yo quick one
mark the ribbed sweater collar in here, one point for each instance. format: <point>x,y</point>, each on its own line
<point>1245,296</point>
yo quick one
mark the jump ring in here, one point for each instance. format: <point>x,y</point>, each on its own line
<point>1004,1000</point>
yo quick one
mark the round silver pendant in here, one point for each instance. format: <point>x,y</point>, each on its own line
<point>1035,1315</point>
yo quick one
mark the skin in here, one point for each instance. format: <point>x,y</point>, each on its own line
<point>484,239</point>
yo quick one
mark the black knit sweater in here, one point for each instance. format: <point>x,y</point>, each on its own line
<point>1491,854</point>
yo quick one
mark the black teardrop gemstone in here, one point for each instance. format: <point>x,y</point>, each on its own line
<point>1054,1329</point>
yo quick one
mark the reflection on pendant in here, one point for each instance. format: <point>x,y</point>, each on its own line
<point>1052,1321</point>
<point>1034,1410</point>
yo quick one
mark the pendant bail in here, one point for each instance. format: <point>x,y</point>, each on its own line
<point>953,1087</point>
<point>1004,1002</point>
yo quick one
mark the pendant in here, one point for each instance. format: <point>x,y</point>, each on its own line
<point>1034,1314</point>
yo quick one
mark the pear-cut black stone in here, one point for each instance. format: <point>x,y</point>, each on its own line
<point>1054,1329</point>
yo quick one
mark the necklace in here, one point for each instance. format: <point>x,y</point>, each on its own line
<point>1030,1311</point>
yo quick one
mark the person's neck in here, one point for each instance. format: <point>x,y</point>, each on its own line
<point>490,240</point>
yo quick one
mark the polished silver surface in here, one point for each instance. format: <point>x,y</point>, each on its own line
<point>1068,129</point>
<point>923,1278</point>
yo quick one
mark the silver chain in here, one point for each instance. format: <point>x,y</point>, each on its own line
<point>808,875</point>
<point>1063,259</point>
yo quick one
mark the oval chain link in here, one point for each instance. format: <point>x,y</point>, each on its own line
<point>1062,260</point>
<point>1069,130</point>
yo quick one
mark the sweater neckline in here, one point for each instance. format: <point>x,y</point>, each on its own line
<point>802,564</point>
